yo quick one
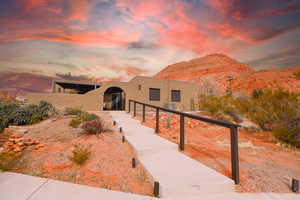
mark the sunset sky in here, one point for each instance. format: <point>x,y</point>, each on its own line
<point>100,40</point>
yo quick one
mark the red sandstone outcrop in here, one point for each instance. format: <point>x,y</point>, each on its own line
<point>214,70</point>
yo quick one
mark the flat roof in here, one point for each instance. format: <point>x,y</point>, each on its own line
<point>76,82</point>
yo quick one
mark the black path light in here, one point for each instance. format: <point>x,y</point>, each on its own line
<point>295,185</point>
<point>133,163</point>
<point>114,123</point>
<point>123,138</point>
<point>156,189</point>
<point>120,130</point>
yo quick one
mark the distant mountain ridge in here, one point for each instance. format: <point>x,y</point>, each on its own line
<point>214,70</point>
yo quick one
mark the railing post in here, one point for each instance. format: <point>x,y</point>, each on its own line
<point>181,142</point>
<point>129,106</point>
<point>157,121</point>
<point>134,109</point>
<point>144,112</point>
<point>234,154</point>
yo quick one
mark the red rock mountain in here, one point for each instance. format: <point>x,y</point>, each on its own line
<point>212,71</point>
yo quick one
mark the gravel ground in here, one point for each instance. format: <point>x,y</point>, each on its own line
<point>265,166</point>
<point>108,167</point>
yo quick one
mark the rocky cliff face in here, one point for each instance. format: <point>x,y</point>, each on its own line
<point>212,73</point>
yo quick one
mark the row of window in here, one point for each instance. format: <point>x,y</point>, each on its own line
<point>154,95</point>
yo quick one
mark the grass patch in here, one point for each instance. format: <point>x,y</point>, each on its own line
<point>81,116</point>
<point>75,123</point>
<point>73,111</point>
<point>80,154</point>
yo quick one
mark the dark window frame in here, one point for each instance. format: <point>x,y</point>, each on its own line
<point>154,96</point>
<point>175,95</point>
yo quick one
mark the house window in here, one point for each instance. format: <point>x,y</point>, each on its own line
<point>154,94</point>
<point>175,96</point>
<point>140,87</point>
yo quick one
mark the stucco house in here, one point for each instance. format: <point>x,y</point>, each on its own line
<point>114,95</point>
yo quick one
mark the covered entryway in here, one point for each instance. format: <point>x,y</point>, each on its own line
<point>114,99</point>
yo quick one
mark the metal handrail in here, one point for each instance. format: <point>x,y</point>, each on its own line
<point>233,131</point>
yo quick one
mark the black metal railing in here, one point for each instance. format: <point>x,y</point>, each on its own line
<point>233,131</point>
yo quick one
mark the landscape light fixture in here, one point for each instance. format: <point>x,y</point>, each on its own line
<point>133,163</point>
<point>156,189</point>
<point>295,185</point>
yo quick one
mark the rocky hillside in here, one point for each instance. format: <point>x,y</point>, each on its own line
<point>212,73</point>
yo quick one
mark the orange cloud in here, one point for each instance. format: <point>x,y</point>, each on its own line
<point>116,37</point>
<point>78,10</point>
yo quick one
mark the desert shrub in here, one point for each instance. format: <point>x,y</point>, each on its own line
<point>256,93</point>
<point>12,113</point>
<point>85,116</point>
<point>93,127</point>
<point>8,159</point>
<point>46,110</point>
<point>75,123</point>
<point>80,154</point>
<point>275,110</point>
<point>73,111</point>
<point>22,116</point>
<point>81,116</point>
<point>288,135</point>
<point>6,114</point>
<point>221,108</point>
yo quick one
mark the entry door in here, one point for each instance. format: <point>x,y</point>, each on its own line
<point>116,101</point>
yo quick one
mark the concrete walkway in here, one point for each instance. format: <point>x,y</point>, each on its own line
<point>178,174</point>
<point>15,186</point>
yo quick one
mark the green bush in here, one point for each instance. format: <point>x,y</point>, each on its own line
<point>80,154</point>
<point>73,111</point>
<point>93,127</point>
<point>12,113</point>
<point>288,135</point>
<point>75,123</point>
<point>221,108</point>
<point>275,110</point>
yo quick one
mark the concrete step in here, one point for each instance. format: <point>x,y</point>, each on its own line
<point>177,174</point>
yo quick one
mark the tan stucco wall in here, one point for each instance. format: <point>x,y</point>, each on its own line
<point>61,101</point>
<point>94,100</point>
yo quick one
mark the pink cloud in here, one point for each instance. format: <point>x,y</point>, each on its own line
<point>144,9</point>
